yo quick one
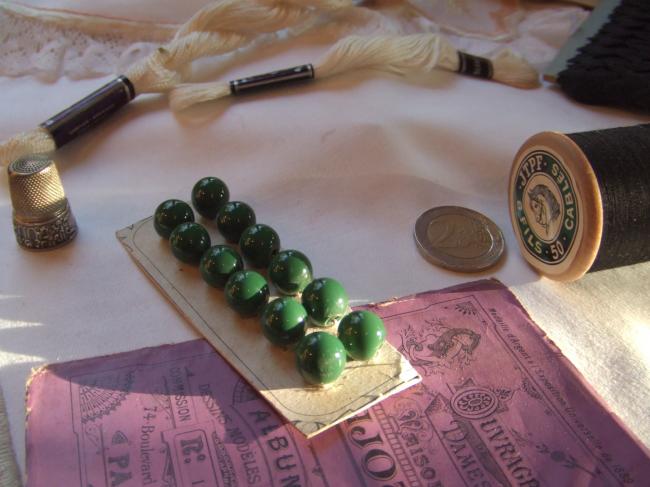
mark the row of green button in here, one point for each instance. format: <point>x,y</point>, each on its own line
<point>321,356</point>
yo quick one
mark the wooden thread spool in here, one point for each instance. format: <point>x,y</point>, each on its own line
<point>581,202</point>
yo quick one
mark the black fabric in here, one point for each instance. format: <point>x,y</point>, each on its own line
<point>614,67</point>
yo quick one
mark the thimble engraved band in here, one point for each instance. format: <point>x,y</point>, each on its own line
<point>42,216</point>
<point>47,235</point>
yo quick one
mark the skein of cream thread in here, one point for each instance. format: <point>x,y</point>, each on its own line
<point>217,28</point>
<point>396,54</point>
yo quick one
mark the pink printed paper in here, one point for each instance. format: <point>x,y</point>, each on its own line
<point>498,405</point>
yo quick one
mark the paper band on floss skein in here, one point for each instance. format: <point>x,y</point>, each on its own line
<point>90,111</point>
<point>272,79</point>
<point>477,66</point>
<point>219,27</point>
<point>396,54</point>
<point>581,202</point>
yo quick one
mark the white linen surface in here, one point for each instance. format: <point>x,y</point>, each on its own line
<point>341,169</point>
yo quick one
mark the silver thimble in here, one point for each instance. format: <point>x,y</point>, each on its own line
<point>42,216</point>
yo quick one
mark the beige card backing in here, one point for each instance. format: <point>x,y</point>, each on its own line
<point>269,369</point>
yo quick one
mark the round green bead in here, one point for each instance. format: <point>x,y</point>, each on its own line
<point>247,292</point>
<point>362,333</point>
<point>290,271</point>
<point>233,218</point>
<point>169,215</point>
<point>209,195</point>
<point>218,263</point>
<point>320,357</point>
<point>284,321</point>
<point>259,243</point>
<point>189,241</point>
<point>325,301</point>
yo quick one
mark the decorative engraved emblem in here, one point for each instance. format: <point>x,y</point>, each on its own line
<point>436,345</point>
<point>102,395</point>
<point>411,421</point>
<point>243,393</point>
<point>528,387</point>
<point>474,403</point>
<point>544,205</point>
<point>119,438</point>
<point>466,308</point>
<point>559,456</point>
<point>456,234</point>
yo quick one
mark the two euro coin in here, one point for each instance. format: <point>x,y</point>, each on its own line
<point>458,239</point>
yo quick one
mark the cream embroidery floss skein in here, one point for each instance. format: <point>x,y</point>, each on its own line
<point>218,28</point>
<point>397,54</point>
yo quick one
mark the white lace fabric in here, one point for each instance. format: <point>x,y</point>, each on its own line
<point>49,44</point>
<point>52,43</point>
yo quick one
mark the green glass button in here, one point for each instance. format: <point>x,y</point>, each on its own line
<point>233,218</point>
<point>209,195</point>
<point>189,241</point>
<point>258,244</point>
<point>218,263</point>
<point>362,333</point>
<point>169,215</point>
<point>290,271</point>
<point>325,301</point>
<point>284,321</point>
<point>247,292</point>
<point>320,357</point>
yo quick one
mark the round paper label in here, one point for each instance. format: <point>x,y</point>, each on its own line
<point>546,207</point>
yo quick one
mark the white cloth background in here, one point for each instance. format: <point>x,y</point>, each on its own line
<point>341,168</point>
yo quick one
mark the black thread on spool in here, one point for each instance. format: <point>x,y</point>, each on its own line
<point>620,158</point>
<point>90,111</point>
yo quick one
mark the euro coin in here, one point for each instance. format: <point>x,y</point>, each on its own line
<point>458,239</point>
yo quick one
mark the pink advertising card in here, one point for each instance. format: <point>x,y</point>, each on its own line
<point>498,405</point>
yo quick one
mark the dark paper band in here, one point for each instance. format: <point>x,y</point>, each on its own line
<point>476,66</point>
<point>90,111</point>
<point>272,79</point>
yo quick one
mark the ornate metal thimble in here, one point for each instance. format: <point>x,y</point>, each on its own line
<point>42,216</point>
